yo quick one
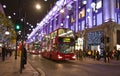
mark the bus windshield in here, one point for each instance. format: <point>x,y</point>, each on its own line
<point>66,48</point>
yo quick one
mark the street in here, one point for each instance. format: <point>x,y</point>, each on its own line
<point>87,67</point>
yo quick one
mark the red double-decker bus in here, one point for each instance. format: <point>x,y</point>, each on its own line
<point>59,45</point>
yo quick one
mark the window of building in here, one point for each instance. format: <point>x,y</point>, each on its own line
<point>119,18</point>
<point>99,18</point>
<point>97,12</point>
<point>79,26</point>
<point>84,2</point>
<point>72,19</point>
<point>79,3</point>
<point>57,20</point>
<point>99,4</point>
<point>83,24</point>
<point>94,21</point>
<point>72,26</point>
<point>116,17</point>
<point>81,13</point>
<point>48,28</point>
<point>52,26</point>
<point>117,4</point>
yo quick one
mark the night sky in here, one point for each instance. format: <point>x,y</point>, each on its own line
<point>27,8</point>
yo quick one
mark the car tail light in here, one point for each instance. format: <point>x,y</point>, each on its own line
<point>33,51</point>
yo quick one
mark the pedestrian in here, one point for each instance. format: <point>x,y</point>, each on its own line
<point>24,57</point>
<point>6,52</point>
<point>97,55</point>
<point>106,53</point>
<point>118,54</point>
<point>80,54</point>
<point>108,56</point>
<point>77,54</point>
<point>104,56</point>
<point>94,55</point>
<point>10,52</point>
<point>0,51</point>
<point>3,53</point>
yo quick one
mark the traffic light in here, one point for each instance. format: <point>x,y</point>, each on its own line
<point>18,26</point>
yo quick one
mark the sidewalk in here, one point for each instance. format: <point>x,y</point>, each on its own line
<point>11,67</point>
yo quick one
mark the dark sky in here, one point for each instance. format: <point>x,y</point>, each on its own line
<point>22,7</point>
<point>27,6</point>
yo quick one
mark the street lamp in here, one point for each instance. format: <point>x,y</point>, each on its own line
<point>38,6</point>
<point>7,33</point>
<point>23,35</point>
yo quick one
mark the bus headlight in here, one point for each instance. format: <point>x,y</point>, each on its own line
<point>60,57</point>
<point>74,57</point>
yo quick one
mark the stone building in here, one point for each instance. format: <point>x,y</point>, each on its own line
<point>96,21</point>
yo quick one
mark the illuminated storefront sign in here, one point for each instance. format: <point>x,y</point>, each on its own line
<point>66,40</point>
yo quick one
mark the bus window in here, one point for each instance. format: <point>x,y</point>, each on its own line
<point>66,48</point>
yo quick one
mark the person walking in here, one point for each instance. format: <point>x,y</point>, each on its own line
<point>0,51</point>
<point>118,54</point>
<point>104,56</point>
<point>80,54</point>
<point>97,55</point>
<point>24,57</point>
<point>108,56</point>
<point>77,54</point>
<point>3,53</point>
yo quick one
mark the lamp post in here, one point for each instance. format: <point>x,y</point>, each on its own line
<point>38,7</point>
<point>23,35</point>
<point>7,33</point>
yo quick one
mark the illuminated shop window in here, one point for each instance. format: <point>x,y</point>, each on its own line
<point>95,37</point>
<point>72,19</point>
<point>81,13</point>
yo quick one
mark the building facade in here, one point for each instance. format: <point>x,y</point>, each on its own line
<point>96,22</point>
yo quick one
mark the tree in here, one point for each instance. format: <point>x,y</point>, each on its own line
<point>6,24</point>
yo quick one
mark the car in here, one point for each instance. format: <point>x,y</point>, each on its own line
<point>35,52</point>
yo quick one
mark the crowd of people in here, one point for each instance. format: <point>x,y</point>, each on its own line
<point>107,55</point>
<point>5,52</point>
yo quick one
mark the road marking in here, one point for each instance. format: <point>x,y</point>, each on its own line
<point>41,72</point>
<point>35,74</point>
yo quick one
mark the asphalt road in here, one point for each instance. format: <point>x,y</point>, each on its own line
<point>87,67</point>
